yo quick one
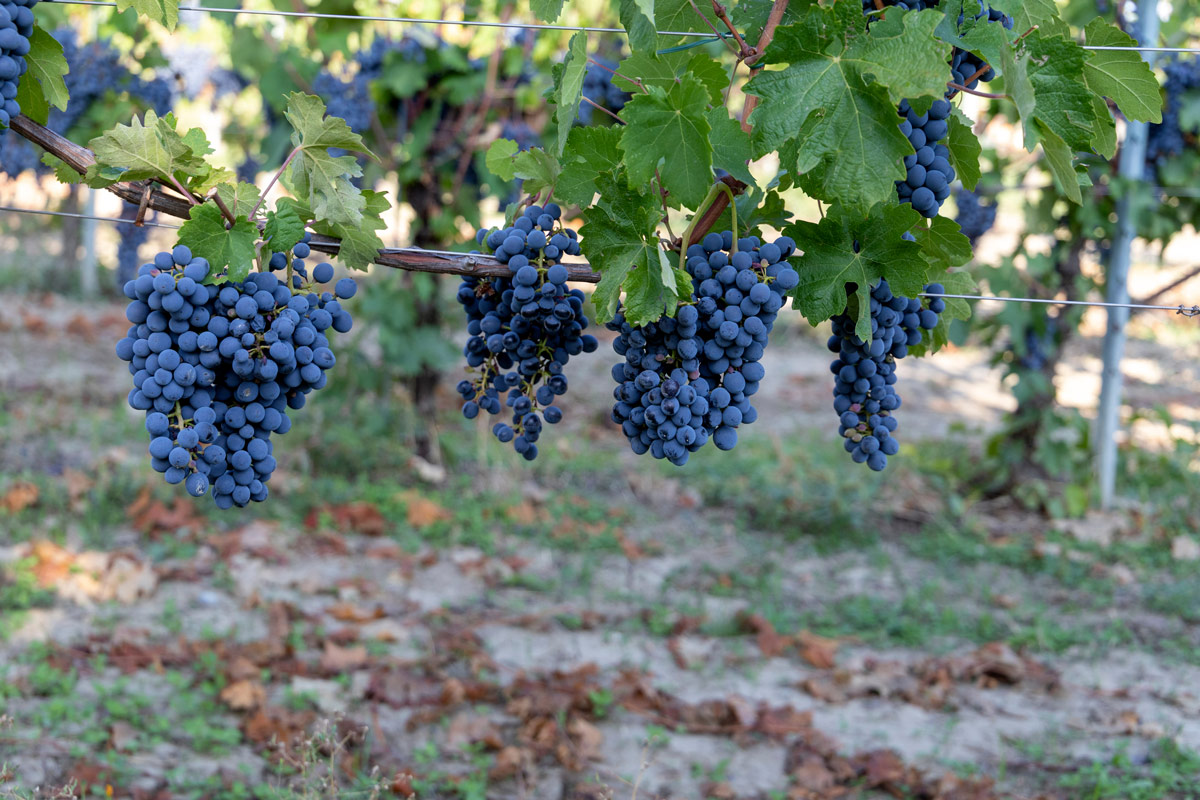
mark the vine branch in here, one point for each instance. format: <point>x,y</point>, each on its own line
<point>764,41</point>
<point>413,259</point>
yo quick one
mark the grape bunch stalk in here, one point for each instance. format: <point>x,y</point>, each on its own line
<point>16,26</point>
<point>689,378</point>
<point>217,367</point>
<point>523,329</point>
<point>864,393</point>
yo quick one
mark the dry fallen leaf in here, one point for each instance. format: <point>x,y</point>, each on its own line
<point>819,651</point>
<point>244,695</point>
<point>20,496</point>
<point>342,659</point>
<point>423,512</point>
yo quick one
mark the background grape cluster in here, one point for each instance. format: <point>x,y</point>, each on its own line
<point>864,393</point>
<point>524,329</point>
<point>598,87</point>
<point>216,367</point>
<point>16,26</point>
<point>688,378</point>
<point>974,217</point>
<point>1167,139</point>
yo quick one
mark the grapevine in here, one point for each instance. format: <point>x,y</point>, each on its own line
<point>860,116</point>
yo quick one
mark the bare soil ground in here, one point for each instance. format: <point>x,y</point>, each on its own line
<point>769,623</point>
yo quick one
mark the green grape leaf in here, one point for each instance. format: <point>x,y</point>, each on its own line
<point>620,239</point>
<point>1063,102</point>
<point>240,198</point>
<point>546,10</point>
<point>944,245</point>
<point>1122,76</point>
<point>47,66</point>
<point>569,90</point>
<point>63,171</point>
<point>848,247</point>
<point>360,243</point>
<point>637,17</point>
<point>680,15</point>
<point>591,151</point>
<point>323,180</point>
<point>499,159</point>
<point>731,145</point>
<point>669,125</point>
<point>229,250</point>
<point>750,16</point>
<point>143,149</point>
<point>1060,158</point>
<point>964,147</point>
<point>197,141</point>
<point>650,69</point>
<point>284,228</point>
<point>1027,13</point>
<point>162,11</point>
<point>833,98</point>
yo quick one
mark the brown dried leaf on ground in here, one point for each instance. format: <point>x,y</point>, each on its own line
<point>360,517</point>
<point>933,682</point>
<point>468,728</point>
<point>349,612</point>
<point>271,723</point>
<point>820,651</point>
<point>20,496</point>
<point>338,659</point>
<point>151,516</point>
<point>244,695</point>
<point>422,512</point>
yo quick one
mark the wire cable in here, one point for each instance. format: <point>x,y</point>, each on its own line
<point>1187,311</point>
<point>519,25</point>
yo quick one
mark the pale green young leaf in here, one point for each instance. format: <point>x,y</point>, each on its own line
<point>360,243</point>
<point>239,197</point>
<point>228,250</point>
<point>569,91</point>
<point>1061,160</point>
<point>141,150</point>
<point>537,169</point>
<point>63,171</point>
<point>669,126</point>
<point>323,180</point>
<point>1122,76</point>
<point>47,66</point>
<point>851,248</point>
<point>499,159</point>
<point>546,10</point>
<point>165,12</point>
<point>964,148</point>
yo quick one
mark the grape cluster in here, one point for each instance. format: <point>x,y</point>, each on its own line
<point>927,184</point>
<point>598,87</point>
<point>523,329</point>
<point>974,217</point>
<point>216,368</point>
<point>1167,139</point>
<point>16,26</point>
<point>688,378</point>
<point>1039,347</point>
<point>864,393</point>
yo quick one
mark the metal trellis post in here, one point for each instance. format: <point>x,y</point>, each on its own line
<point>1133,160</point>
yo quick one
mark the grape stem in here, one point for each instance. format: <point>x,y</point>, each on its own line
<point>739,52</point>
<point>708,204</point>
<point>599,107</point>
<point>230,219</point>
<point>764,41</point>
<point>634,81</point>
<point>286,162</point>
<point>744,50</point>
<point>179,186</point>
<point>976,92</point>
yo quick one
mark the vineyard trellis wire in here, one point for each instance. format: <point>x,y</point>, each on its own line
<point>500,24</point>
